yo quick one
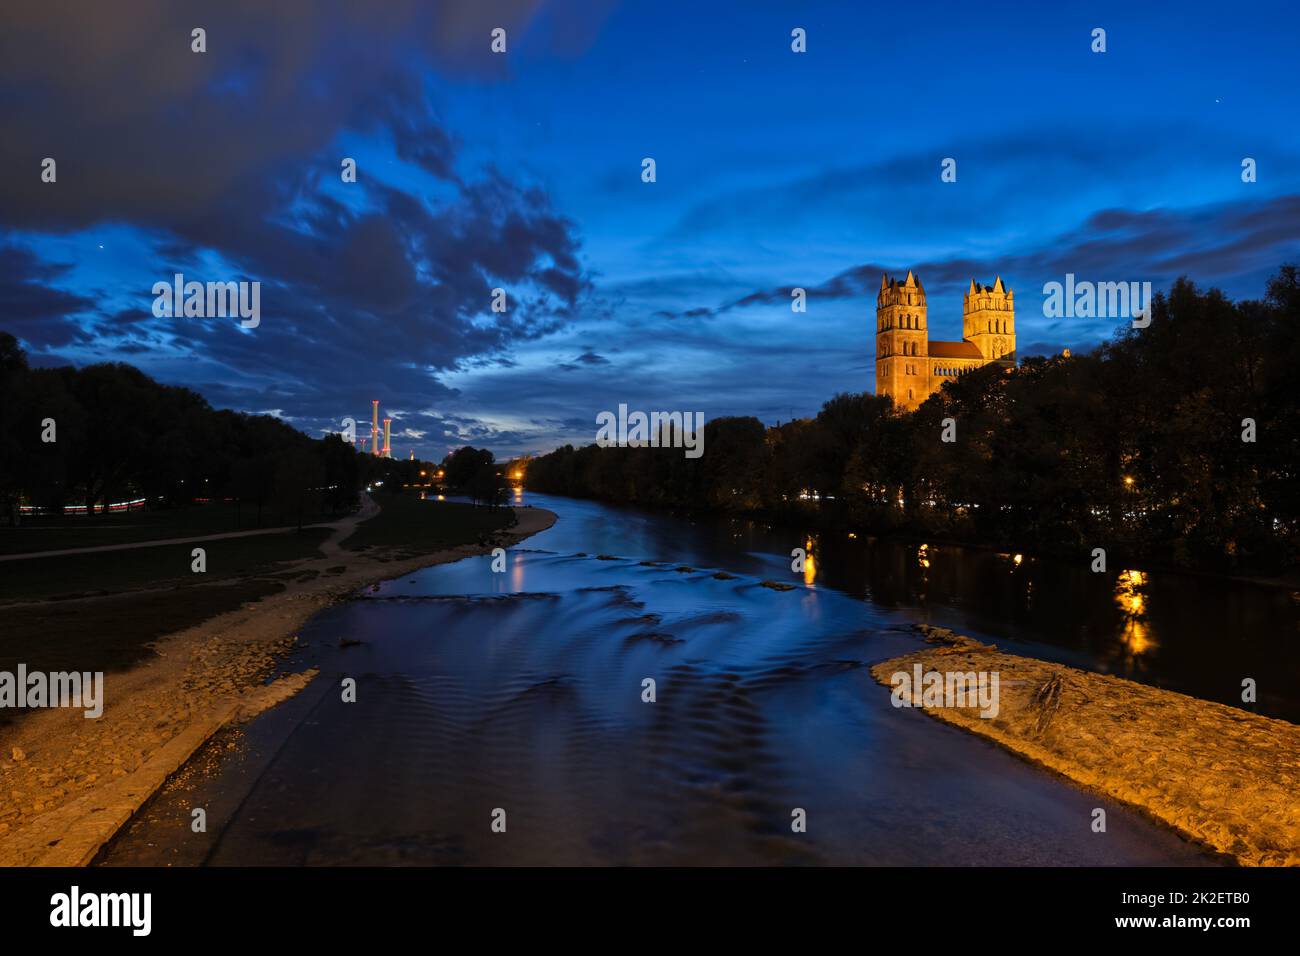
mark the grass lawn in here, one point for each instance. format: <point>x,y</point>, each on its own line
<point>72,531</point>
<point>405,521</point>
<point>112,632</point>
<point>41,578</point>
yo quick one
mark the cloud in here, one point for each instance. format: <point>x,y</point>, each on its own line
<point>1209,243</point>
<point>145,129</point>
<point>587,358</point>
<point>33,309</point>
<point>226,164</point>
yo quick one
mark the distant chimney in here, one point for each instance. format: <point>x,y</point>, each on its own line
<point>388,451</point>
<point>374,426</point>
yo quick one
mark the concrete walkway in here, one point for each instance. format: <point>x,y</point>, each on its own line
<point>343,527</point>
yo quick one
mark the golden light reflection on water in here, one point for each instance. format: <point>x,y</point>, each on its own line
<point>1132,603</point>
<point>809,565</point>
<point>923,556</point>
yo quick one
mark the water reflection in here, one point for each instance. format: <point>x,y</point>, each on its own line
<point>1130,598</point>
<point>524,690</point>
<point>1187,633</point>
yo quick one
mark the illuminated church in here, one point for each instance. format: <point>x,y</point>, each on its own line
<point>909,366</point>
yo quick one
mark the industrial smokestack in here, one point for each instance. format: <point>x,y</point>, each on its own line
<point>374,427</point>
<point>388,450</point>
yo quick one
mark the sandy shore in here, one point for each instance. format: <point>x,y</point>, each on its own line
<point>66,783</point>
<point>1221,776</point>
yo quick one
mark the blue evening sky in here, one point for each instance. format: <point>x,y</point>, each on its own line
<point>523,171</point>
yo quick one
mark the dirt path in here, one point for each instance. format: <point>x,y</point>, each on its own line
<point>332,546</point>
<point>67,783</point>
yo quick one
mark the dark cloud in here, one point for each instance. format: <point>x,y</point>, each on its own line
<point>587,359</point>
<point>31,308</point>
<point>226,157</point>
<point>145,129</point>
<point>1208,243</point>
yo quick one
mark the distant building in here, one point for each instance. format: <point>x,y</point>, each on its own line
<point>910,367</point>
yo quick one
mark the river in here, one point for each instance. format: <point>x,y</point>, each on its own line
<point>517,698</point>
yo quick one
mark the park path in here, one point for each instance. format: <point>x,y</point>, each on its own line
<point>330,546</point>
<point>344,527</point>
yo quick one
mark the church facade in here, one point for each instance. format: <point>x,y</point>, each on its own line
<point>910,366</point>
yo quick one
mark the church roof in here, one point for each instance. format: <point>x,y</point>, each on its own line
<point>913,281</point>
<point>997,287</point>
<point>965,350</point>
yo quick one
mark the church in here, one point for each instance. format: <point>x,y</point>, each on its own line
<point>909,366</point>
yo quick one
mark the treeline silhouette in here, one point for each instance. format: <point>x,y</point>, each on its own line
<point>121,436</point>
<point>475,473</point>
<point>1138,447</point>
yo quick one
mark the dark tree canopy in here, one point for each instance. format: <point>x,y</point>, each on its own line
<point>121,436</point>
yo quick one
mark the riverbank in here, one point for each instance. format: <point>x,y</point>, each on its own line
<point>67,783</point>
<point>1223,777</point>
<point>804,520</point>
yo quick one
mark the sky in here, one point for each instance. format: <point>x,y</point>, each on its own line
<point>522,171</point>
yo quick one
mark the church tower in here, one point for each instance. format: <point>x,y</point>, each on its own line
<point>989,321</point>
<point>902,364</point>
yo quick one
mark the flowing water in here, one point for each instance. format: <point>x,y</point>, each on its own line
<point>518,697</point>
